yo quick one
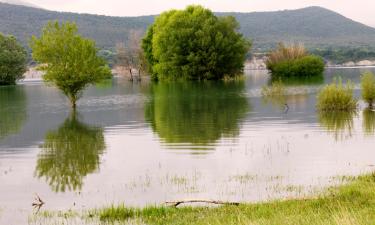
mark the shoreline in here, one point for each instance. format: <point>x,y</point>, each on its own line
<point>348,203</point>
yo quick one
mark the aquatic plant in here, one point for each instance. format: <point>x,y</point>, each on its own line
<point>294,61</point>
<point>275,93</point>
<point>368,88</point>
<point>337,97</point>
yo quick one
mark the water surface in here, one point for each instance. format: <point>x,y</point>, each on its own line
<point>147,143</point>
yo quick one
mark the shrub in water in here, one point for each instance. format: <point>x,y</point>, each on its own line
<point>294,61</point>
<point>337,97</point>
<point>368,88</point>
<point>275,94</point>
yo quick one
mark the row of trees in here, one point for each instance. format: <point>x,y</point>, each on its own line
<point>188,44</point>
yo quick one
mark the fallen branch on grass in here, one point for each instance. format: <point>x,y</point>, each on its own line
<point>176,203</point>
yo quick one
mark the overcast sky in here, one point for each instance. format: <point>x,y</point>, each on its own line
<point>359,10</point>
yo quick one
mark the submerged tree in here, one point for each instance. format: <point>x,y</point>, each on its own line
<point>12,60</point>
<point>130,55</point>
<point>69,61</point>
<point>69,154</point>
<point>194,44</point>
<point>196,113</point>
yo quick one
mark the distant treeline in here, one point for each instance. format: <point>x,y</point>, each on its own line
<point>340,55</point>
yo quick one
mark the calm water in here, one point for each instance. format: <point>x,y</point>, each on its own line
<point>142,144</point>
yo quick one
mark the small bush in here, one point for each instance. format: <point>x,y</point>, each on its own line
<point>337,97</point>
<point>275,94</point>
<point>368,88</point>
<point>294,61</point>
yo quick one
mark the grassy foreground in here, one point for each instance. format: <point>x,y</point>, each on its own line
<point>352,203</point>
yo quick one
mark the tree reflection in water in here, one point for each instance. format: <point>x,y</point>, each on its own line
<point>69,154</point>
<point>197,113</point>
<point>12,110</point>
<point>339,123</point>
<point>368,121</point>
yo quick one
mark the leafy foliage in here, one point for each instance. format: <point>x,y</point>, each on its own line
<point>12,60</point>
<point>194,44</point>
<point>69,154</point>
<point>336,97</point>
<point>368,88</point>
<point>70,61</point>
<point>294,61</point>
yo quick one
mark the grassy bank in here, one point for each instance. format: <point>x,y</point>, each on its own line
<point>352,203</point>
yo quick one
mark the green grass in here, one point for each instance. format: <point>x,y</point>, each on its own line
<point>351,203</point>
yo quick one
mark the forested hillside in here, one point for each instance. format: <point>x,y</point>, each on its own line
<point>316,27</point>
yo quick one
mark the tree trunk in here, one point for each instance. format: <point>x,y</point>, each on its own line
<point>131,74</point>
<point>73,102</point>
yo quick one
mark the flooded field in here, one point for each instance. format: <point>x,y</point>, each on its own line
<point>147,143</point>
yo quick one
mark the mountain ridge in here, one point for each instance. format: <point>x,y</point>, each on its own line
<point>315,26</point>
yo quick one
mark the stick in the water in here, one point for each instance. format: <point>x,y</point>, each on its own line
<point>176,203</point>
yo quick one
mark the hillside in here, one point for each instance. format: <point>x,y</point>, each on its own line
<point>314,26</point>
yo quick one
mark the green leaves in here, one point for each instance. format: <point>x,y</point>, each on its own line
<point>194,44</point>
<point>69,61</point>
<point>12,60</point>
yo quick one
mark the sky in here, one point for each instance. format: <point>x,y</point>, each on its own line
<point>360,10</point>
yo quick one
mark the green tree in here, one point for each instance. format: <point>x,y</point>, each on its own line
<point>69,61</point>
<point>368,88</point>
<point>69,154</point>
<point>195,44</point>
<point>12,60</point>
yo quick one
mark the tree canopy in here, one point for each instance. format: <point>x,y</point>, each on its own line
<point>12,60</point>
<point>70,61</point>
<point>194,44</point>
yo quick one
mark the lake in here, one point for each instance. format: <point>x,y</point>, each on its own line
<point>147,143</point>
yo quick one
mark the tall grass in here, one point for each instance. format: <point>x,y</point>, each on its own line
<point>352,203</point>
<point>337,97</point>
<point>368,88</point>
<point>286,53</point>
<point>294,61</point>
<point>275,93</point>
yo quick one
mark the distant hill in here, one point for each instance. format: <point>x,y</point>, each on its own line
<point>314,26</point>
